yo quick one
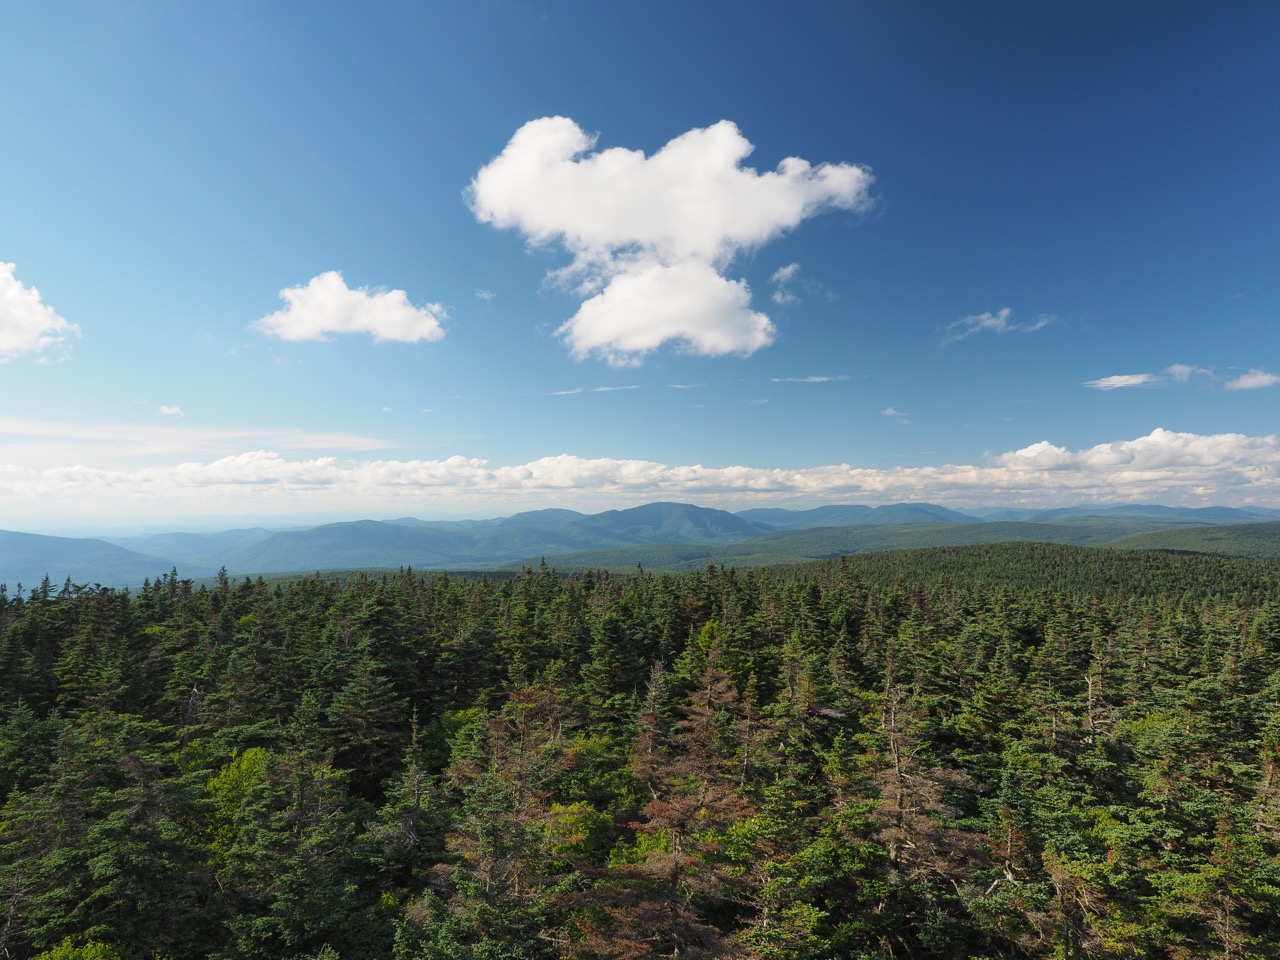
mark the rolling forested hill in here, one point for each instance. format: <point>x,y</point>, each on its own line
<point>798,546</point>
<point>27,558</point>
<point>1237,540</point>
<point>670,536</point>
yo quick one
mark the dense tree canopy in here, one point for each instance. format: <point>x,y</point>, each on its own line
<point>1017,752</point>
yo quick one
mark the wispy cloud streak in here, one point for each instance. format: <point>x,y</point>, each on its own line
<point>999,322</point>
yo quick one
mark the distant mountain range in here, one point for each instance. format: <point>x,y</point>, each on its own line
<point>657,535</point>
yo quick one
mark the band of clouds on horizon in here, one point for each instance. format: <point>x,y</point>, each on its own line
<point>34,444</point>
<point>27,323</point>
<point>650,237</point>
<point>1222,468</point>
<point>326,305</point>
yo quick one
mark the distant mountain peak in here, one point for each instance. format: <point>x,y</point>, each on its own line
<point>684,532</point>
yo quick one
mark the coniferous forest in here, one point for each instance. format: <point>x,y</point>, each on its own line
<point>1011,751</point>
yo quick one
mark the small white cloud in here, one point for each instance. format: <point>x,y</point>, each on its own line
<point>891,412</point>
<point>485,294</point>
<point>1121,380</point>
<point>998,322</point>
<point>386,409</point>
<point>1182,372</point>
<point>1253,380</point>
<point>27,324</point>
<point>785,274</point>
<point>565,393</point>
<point>813,379</point>
<point>326,305</point>
<point>782,295</point>
<point>651,236</point>
<point>171,411</point>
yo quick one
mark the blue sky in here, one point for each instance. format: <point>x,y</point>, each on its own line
<point>298,261</point>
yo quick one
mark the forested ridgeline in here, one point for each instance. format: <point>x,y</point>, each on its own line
<point>823,763</point>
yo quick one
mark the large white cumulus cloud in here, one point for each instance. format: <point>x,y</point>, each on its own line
<point>639,311</point>
<point>27,323</point>
<point>326,305</point>
<point>666,226</point>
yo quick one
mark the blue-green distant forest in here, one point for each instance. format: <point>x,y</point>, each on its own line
<point>1003,751</point>
<point>659,536</point>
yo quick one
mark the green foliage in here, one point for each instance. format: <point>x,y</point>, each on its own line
<point>92,950</point>
<point>1014,751</point>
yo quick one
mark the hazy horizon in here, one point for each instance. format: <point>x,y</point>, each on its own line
<point>210,525</point>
